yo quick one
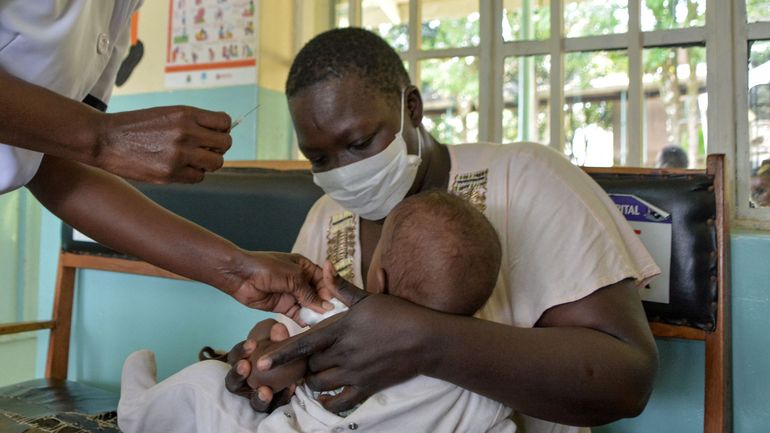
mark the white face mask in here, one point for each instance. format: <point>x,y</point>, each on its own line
<point>372,187</point>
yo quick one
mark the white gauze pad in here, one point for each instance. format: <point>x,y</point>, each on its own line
<point>311,317</point>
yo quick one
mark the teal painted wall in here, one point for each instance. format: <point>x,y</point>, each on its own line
<point>19,228</point>
<point>275,133</point>
<point>677,402</point>
<point>232,100</point>
<point>265,134</point>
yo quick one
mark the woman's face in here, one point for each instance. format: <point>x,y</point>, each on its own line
<point>339,122</point>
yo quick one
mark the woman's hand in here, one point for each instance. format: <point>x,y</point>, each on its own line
<point>261,398</point>
<point>278,282</point>
<point>377,343</point>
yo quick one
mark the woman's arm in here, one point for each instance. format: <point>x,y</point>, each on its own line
<point>588,362</point>
<point>164,144</point>
<point>108,209</point>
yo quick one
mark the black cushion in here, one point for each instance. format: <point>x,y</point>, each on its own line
<point>690,201</point>
<point>257,209</point>
<point>45,405</point>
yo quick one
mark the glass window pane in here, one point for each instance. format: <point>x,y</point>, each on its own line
<point>389,19</point>
<point>450,94</point>
<point>758,10</point>
<point>449,24</point>
<point>675,107</point>
<point>526,89</point>
<point>526,19</point>
<point>672,14</point>
<point>595,17</point>
<point>341,13</point>
<point>759,122</point>
<point>595,89</point>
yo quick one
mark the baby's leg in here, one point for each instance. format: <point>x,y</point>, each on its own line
<point>192,400</point>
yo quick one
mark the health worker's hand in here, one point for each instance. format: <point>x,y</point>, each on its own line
<point>376,344</point>
<point>164,144</point>
<point>278,282</point>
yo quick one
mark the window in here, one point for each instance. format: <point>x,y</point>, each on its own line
<point>630,75</point>
<point>753,108</point>
<point>606,82</point>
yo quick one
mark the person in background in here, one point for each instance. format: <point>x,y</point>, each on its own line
<point>760,185</point>
<point>672,157</point>
<point>71,156</point>
<point>563,338</point>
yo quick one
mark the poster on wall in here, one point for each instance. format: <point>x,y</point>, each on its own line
<point>211,43</point>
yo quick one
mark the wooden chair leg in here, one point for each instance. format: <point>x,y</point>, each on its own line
<point>718,393</point>
<point>718,411</point>
<point>59,340</point>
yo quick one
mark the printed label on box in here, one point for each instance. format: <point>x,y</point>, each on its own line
<point>653,225</point>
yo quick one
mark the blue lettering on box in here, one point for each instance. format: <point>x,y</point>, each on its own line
<point>636,209</point>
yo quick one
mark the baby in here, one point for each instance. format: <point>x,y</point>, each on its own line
<point>435,250</point>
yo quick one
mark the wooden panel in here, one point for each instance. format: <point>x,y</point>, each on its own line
<point>82,261</point>
<point>17,328</point>
<point>662,330</point>
<point>274,165</point>
<point>718,415</point>
<point>59,340</point>
<point>305,165</point>
<point>639,170</point>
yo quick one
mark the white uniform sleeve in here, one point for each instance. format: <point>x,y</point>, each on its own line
<point>102,89</point>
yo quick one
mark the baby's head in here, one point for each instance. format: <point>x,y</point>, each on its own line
<point>439,251</point>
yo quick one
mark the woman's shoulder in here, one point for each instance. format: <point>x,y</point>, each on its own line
<point>519,157</point>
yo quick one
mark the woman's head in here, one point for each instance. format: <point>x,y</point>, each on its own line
<point>342,54</point>
<point>344,91</point>
<point>350,98</point>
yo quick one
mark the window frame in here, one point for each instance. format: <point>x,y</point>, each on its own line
<point>725,35</point>
<point>745,32</point>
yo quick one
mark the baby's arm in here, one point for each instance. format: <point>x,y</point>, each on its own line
<point>267,334</point>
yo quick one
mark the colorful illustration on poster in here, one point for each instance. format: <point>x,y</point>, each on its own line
<point>211,43</point>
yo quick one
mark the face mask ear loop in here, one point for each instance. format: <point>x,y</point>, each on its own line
<point>419,143</point>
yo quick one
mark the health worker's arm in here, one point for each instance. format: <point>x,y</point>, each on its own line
<point>109,210</point>
<point>585,363</point>
<point>159,145</point>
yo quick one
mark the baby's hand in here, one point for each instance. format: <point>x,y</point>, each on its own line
<point>241,357</point>
<point>266,334</point>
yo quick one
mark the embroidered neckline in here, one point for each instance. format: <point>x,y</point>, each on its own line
<point>341,243</point>
<point>472,187</point>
